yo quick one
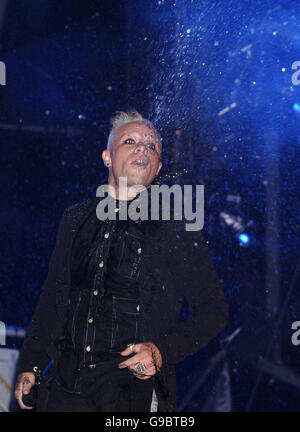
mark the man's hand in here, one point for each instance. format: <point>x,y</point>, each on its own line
<point>25,382</point>
<point>146,353</point>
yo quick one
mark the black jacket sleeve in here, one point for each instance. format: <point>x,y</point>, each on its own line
<point>203,291</point>
<point>33,352</point>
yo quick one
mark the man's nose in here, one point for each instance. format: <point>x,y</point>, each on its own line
<point>141,146</point>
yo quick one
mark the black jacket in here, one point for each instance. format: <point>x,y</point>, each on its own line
<point>176,264</point>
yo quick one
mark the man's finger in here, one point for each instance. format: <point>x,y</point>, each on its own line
<point>137,359</point>
<point>150,371</point>
<point>131,361</point>
<point>22,406</point>
<point>23,388</point>
<point>27,386</point>
<point>142,377</point>
<point>18,396</point>
<point>18,388</point>
<point>146,375</point>
<point>147,364</point>
<point>143,354</point>
<point>128,350</point>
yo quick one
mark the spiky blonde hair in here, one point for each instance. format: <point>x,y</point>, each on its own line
<point>121,118</point>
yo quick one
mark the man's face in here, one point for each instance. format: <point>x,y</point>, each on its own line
<point>135,153</point>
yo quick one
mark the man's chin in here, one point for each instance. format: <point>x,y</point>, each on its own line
<point>136,179</point>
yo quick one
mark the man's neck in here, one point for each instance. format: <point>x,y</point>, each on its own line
<point>125,193</point>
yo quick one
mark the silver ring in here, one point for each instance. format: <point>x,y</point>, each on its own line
<point>131,346</point>
<point>140,368</point>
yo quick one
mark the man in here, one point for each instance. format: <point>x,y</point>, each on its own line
<point>108,314</point>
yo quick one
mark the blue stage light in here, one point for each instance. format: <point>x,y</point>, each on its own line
<point>296,107</point>
<point>244,239</point>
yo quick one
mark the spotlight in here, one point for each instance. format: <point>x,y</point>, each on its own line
<point>296,107</point>
<point>243,239</point>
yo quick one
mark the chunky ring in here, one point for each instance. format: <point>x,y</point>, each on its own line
<point>131,346</point>
<point>140,368</point>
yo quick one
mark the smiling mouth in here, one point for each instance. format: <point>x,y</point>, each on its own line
<point>140,162</point>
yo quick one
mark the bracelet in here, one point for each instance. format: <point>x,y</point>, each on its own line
<point>38,375</point>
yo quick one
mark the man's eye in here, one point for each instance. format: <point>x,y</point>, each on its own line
<point>151,146</point>
<point>129,141</point>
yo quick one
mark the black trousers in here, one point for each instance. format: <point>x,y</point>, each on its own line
<point>105,388</point>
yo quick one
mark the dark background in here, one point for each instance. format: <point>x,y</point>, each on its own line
<point>71,64</point>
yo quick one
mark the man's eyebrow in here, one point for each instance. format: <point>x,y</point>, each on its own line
<point>137,133</point>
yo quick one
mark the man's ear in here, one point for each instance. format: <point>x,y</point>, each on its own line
<point>106,157</point>
<point>159,168</point>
